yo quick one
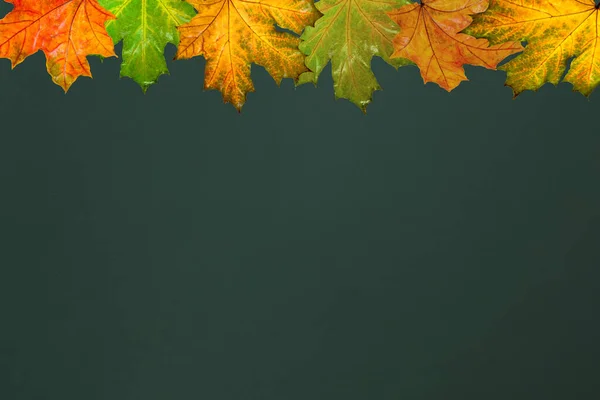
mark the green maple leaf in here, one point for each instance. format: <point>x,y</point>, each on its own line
<point>350,33</point>
<point>146,26</point>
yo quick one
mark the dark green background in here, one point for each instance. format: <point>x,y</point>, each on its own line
<point>445,246</point>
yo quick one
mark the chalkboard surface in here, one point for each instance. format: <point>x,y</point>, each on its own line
<point>163,246</point>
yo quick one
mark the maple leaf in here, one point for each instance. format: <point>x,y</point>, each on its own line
<point>349,34</point>
<point>232,34</point>
<point>67,31</point>
<point>555,31</point>
<point>429,36</point>
<point>146,26</point>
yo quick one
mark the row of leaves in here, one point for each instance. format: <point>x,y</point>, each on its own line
<point>438,36</point>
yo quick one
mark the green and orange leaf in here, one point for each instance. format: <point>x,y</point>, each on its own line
<point>67,31</point>
<point>429,36</point>
<point>233,34</point>
<point>350,34</point>
<point>555,31</point>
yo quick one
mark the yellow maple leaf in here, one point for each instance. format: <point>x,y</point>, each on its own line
<point>555,31</point>
<point>429,36</point>
<point>232,34</point>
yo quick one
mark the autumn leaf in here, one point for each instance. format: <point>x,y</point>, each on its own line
<point>555,32</point>
<point>349,34</point>
<point>232,34</point>
<point>146,26</point>
<point>65,30</point>
<point>429,36</point>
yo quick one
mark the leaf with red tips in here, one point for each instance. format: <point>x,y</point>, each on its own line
<point>67,31</point>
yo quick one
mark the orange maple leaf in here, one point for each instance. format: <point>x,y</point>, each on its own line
<point>429,36</point>
<point>232,34</point>
<point>65,30</point>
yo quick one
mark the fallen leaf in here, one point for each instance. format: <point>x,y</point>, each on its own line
<point>349,34</point>
<point>146,26</point>
<point>67,31</point>
<point>429,36</point>
<point>233,34</point>
<point>555,31</point>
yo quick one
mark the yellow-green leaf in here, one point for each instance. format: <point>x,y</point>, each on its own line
<point>349,34</point>
<point>555,31</point>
